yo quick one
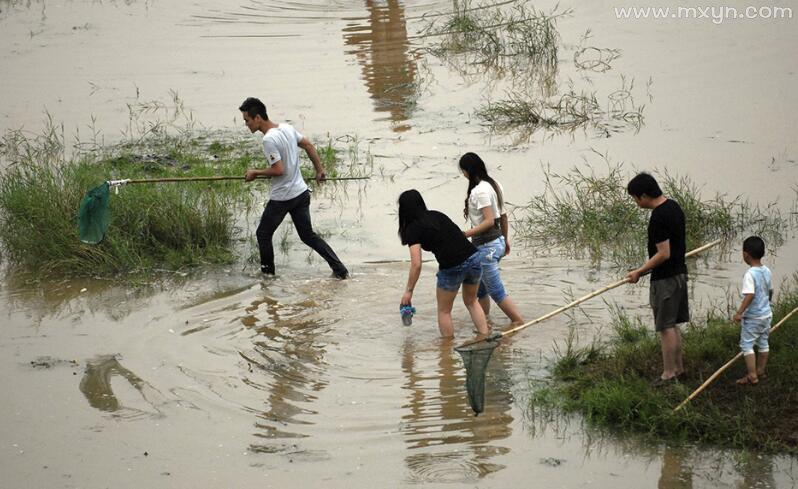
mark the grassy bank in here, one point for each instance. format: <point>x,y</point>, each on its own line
<point>609,383</point>
<point>587,214</point>
<point>153,226</point>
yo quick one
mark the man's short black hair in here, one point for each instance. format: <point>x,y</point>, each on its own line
<point>254,107</point>
<point>643,183</point>
<point>754,246</point>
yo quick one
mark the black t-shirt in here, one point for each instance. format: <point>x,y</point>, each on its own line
<point>437,233</point>
<point>667,223</point>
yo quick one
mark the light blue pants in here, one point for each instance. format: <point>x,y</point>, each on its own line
<point>491,283</point>
<point>755,332</point>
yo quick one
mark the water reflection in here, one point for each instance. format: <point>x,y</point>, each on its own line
<point>447,443</point>
<point>683,467</point>
<point>65,297</point>
<point>289,351</point>
<point>675,473</point>
<point>96,387</point>
<point>382,49</point>
<point>757,471</point>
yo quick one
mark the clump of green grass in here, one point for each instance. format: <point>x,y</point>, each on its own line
<point>152,225</point>
<point>570,356</point>
<point>611,387</point>
<point>583,213</point>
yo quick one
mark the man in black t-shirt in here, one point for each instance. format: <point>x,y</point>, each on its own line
<point>666,249</point>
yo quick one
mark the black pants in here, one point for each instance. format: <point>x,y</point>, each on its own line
<point>299,208</point>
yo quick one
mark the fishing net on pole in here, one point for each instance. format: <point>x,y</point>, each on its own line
<point>93,215</point>
<point>476,357</point>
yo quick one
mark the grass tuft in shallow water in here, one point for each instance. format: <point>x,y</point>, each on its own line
<point>498,38</point>
<point>611,386</point>
<point>586,213</point>
<point>566,112</point>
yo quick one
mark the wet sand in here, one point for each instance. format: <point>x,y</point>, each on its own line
<point>219,379</point>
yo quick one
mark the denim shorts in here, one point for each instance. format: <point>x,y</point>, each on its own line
<point>469,272</point>
<point>491,283</point>
<point>755,332</point>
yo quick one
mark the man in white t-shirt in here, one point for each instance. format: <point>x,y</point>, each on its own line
<point>288,194</point>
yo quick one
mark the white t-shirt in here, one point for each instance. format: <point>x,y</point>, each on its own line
<point>481,196</point>
<point>281,143</point>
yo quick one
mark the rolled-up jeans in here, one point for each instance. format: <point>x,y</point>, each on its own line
<point>755,332</point>
<point>491,283</point>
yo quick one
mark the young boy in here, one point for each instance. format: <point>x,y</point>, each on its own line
<point>754,311</point>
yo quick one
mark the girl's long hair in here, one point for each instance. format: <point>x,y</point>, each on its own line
<point>473,165</point>
<point>411,208</point>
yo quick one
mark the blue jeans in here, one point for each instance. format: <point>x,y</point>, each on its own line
<point>491,283</point>
<point>754,332</point>
<point>469,272</point>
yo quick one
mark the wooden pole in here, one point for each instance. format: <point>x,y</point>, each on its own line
<point>579,301</point>
<point>727,365</point>
<point>222,177</point>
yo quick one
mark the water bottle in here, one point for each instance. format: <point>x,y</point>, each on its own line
<point>407,312</point>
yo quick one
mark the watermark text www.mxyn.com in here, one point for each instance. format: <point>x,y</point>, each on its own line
<point>715,14</point>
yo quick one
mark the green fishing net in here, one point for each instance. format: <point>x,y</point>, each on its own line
<point>475,359</point>
<point>93,215</point>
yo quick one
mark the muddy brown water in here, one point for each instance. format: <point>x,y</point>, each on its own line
<point>220,379</point>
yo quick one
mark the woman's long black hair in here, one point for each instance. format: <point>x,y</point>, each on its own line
<point>473,165</point>
<point>411,207</point>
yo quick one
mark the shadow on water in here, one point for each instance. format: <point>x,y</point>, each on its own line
<point>389,69</point>
<point>98,389</point>
<point>446,442</point>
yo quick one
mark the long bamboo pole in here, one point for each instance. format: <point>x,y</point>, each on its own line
<point>216,178</point>
<point>727,365</point>
<point>576,302</point>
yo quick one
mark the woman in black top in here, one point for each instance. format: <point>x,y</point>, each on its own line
<point>458,260</point>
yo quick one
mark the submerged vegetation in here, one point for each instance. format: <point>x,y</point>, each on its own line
<point>162,226</point>
<point>500,38</point>
<point>586,214</point>
<point>518,42</point>
<point>609,383</point>
<point>567,112</point>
